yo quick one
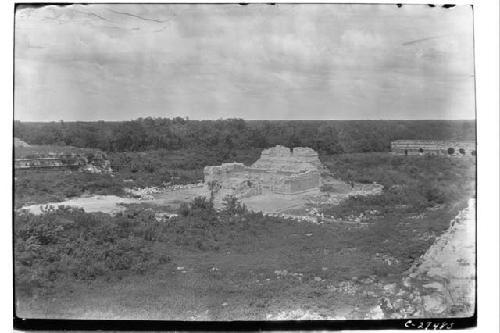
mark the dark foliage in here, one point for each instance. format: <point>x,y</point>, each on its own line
<point>410,182</point>
<point>226,136</point>
<point>153,168</point>
<point>233,206</point>
<point>46,186</point>
<point>66,243</point>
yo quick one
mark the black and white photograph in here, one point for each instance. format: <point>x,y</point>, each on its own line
<point>245,162</point>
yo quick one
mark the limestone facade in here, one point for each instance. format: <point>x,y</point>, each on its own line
<point>96,162</point>
<point>432,147</point>
<point>279,170</point>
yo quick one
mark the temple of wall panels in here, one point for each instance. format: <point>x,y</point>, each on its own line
<point>279,170</point>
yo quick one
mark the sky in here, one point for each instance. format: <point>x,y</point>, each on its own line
<point>322,61</point>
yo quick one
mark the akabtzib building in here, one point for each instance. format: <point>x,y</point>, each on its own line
<point>432,147</point>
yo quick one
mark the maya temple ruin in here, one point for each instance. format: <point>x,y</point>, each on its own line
<point>279,170</point>
<point>433,147</point>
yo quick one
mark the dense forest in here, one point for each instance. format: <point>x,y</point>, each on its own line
<point>327,137</point>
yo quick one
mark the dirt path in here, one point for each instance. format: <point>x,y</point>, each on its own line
<point>109,204</point>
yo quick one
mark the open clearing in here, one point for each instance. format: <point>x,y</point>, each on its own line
<point>266,203</point>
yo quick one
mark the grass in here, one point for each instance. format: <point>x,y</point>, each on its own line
<point>413,183</point>
<point>33,186</point>
<point>246,250</point>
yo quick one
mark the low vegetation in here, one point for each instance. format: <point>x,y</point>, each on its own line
<point>157,167</point>
<point>67,243</point>
<point>33,186</point>
<point>411,183</point>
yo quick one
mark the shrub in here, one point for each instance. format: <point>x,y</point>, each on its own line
<point>202,203</point>
<point>233,206</point>
<point>70,243</point>
<point>183,209</point>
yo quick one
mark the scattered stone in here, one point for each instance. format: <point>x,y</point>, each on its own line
<point>367,281</point>
<point>317,278</point>
<point>375,313</point>
<point>436,271</point>
<point>391,288</point>
<point>180,268</point>
<point>398,304</point>
<point>434,285</point>
<point>433,304</point>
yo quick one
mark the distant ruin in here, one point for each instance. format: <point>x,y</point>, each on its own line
<point>279,170</point>
<point>432,147</point>
<point>92,163</point>
<point>52,158</point>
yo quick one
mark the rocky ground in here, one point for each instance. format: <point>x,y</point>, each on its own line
<point>302,206</point>
<point>442,283</point>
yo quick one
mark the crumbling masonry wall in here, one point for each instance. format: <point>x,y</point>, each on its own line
<point>279,170</point>
<point>432,147</point>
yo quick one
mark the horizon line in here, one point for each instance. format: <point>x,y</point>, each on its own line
<point>197,119</point>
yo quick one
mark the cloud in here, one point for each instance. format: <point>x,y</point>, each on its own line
<point>123,61</point>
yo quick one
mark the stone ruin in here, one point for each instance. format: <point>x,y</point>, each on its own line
<point>279,170</point>
<point>433,147</point>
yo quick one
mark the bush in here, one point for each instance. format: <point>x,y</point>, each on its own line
<point>68,243</point>
<point>203,203</point>
<point>43,186</point>
<point>183,209</point>
<point>233,206</point>
<point>411,182</point>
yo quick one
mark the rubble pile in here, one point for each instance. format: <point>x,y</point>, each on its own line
<point>147,193</point>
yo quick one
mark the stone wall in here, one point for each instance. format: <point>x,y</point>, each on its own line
<point>430,147</point>
<point>94,163</point>
<point>231,179</point>
<point>279,170</point>
<point>281,158</point>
